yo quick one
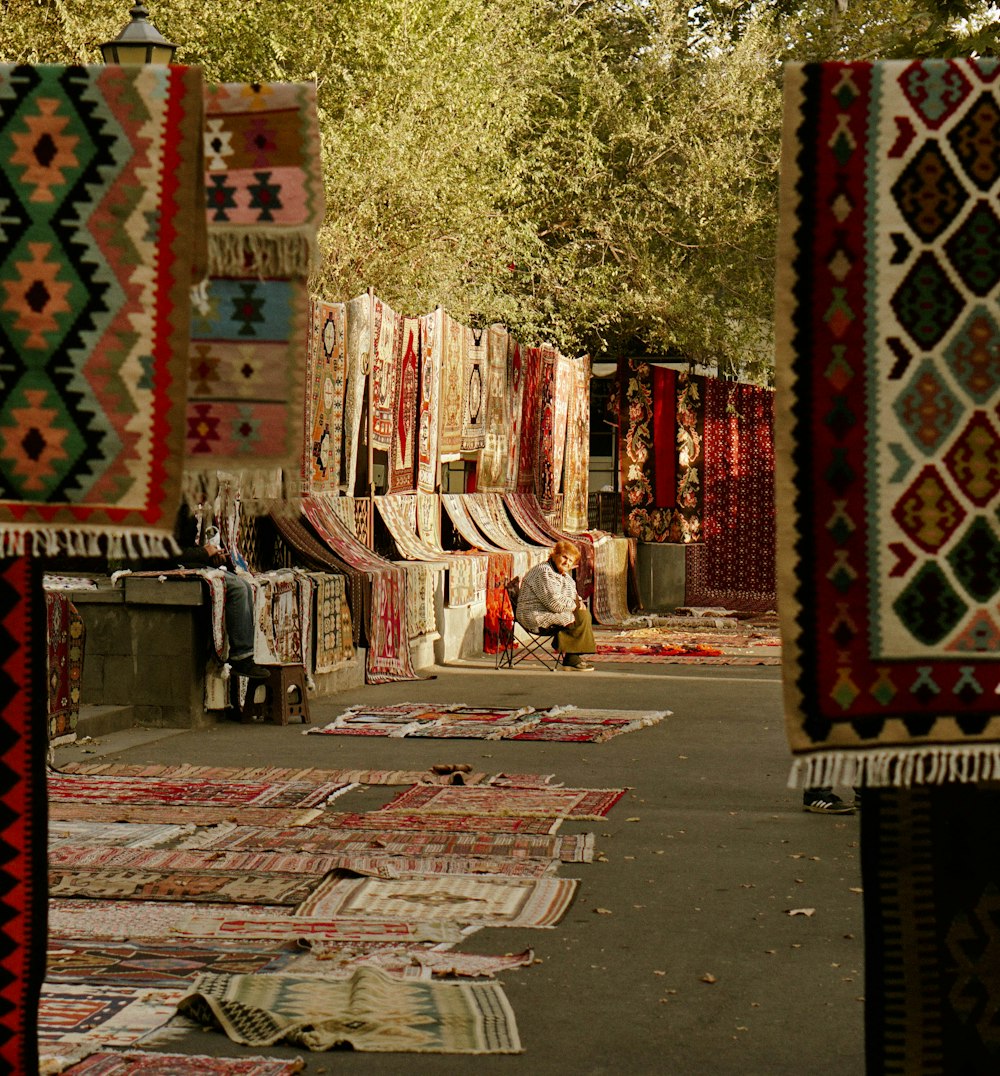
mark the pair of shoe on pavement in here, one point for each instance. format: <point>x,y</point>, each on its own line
<point>249,668</point>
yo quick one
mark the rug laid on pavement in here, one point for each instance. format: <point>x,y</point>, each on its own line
<point>583,725</point>
<point>411,962</point>
<point>94,834</point>
<point>76,1020</point>
<point>573,848</point>
<point>932,903</point>
<point>457,821</point>
<point>155,964</point>
<point>128,920</point>
<point>251,316</point>
<point>109,883</point>
<point>506,902</point>
<point>224,924</point>
<point>889,445</point>
<point>584,803</point>
<point>94,330</point>
<point>650,651</point>
<point>180,814</point>
<point>140,1063</point>
<point>371,1012</point>
<point>105,790</point>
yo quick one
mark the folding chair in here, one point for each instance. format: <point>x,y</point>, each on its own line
<point>517,646</point>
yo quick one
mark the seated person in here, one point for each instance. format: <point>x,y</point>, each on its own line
<point>548,603</point>
<point>239,610</point>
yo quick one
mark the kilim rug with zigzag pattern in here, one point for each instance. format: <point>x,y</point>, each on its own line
<point>888,381</point>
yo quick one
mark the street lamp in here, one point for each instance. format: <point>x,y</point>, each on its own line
<point>139,42</point>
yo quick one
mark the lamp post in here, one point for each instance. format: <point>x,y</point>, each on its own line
<point>138,43</point>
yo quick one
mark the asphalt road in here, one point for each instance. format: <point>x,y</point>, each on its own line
<point>694,963</point>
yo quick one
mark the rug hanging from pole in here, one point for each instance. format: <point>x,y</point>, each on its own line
<point>95,302</point>
<point>431,329</point>
<point>326,372</point>
<point>386,344</point>
<point>403,456</point>
<point>358,344</point>
<point>888,430</point>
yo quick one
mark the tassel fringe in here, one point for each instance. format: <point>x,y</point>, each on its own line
<point>280,253</point>
<point>899,767</point>
<point>85,542</point>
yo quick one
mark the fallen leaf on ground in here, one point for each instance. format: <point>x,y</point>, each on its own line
<point>603,911</point>
<point>801,911</point>
<point>708,977</point>
<point>855,889</point>
<point>634,818</point>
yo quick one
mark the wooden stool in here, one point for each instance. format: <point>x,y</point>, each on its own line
<point>251,708</point>
<point>287,691</point>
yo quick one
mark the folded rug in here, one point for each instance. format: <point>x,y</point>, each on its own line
<point>369,1011</point>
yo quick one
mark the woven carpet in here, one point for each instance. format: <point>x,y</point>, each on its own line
<point>507,902</point>
<point>93,330</point>
<point>450,410</point>
<point>531,361</point>
<point>474,402</point>
<point>66,639</point>
<point>889,445</point>
<point>201,815</point>
<point>333,629</point>
<point>311,552</point>
<point>457,821</point>
<point>491,474</point>
<point>547,479</point>
<point>411,962</point>
<point>587,803</point>
<point>515,403</point>
<point>358,360</point>
<point>226,923</point>
<point>258,773</point>
<point>326,375</point>
<point>733,566</point>
<point>251,318</point>
<point>499,571</point>
<point>23,904</point>
<point>78,787</point>
<point>154,964</point>
<point>577,460</point>
<point>388,654</point>
<point>526,513</point>
<point>403,454</point>
<point>932,906</point>
<point>575,848</point>
<point>431,328</point>
<point>649,651</point>
<point>371,1012</point>
<point>74,1021</point>
<point>92,834</point>
<point>385,362</point>
<point>106,883</point>
<point>127,920</point>
<point>610,601</point>
<point>664,431</point>
<point>139,1063</point>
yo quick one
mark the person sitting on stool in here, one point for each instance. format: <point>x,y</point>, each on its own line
<point>549,603</point>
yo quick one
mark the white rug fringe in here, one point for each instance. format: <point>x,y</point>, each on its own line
<point>897,767</point>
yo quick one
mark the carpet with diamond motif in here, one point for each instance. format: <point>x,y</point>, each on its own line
<point>888,430</point>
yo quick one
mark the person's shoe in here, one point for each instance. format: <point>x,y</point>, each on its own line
<point>581,666</point>
<point>825,801</point>
<point>250,669</point>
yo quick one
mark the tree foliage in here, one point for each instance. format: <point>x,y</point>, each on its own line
<point>598,173</point>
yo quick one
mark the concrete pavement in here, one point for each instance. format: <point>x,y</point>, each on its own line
<point>695,966</point>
